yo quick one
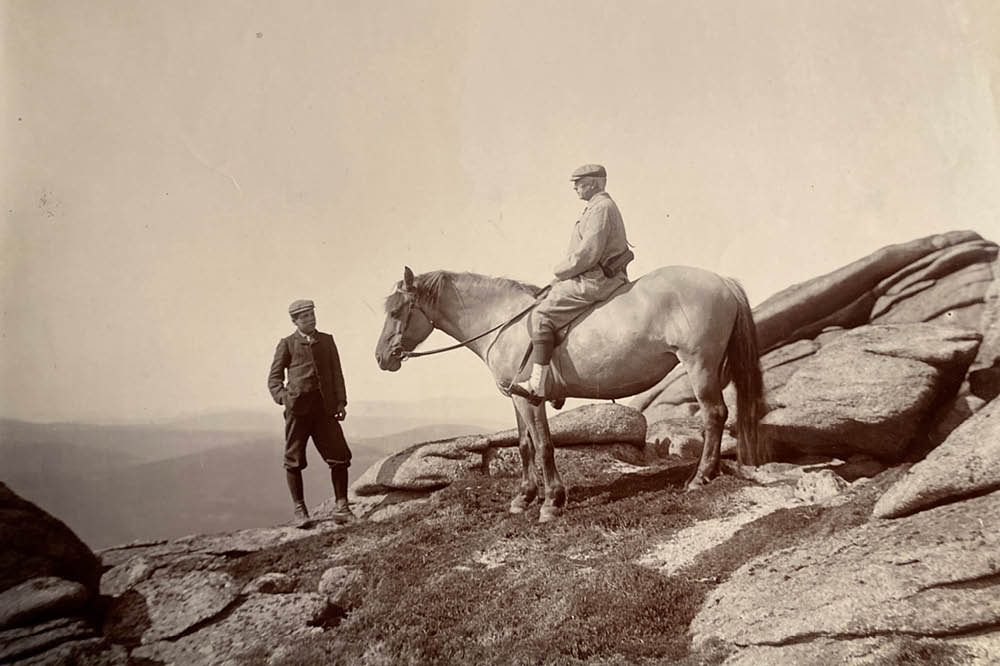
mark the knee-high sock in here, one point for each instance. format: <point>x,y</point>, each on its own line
<point>294,478</point>
<point>543,342</point>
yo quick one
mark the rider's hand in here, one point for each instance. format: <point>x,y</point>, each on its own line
<point>340,412</point>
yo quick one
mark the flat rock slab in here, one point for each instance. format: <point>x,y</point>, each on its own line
<point>132,563</point>
<point>936,573</point>
<point>41,599</point>
<point>24,642</point>
<point>262,622</point>
<point>875,651</point>
<point>868,390</point>
<point>967,463</point>
<point>175,605</point>
<point>89,652</point>
<point>601,423</point>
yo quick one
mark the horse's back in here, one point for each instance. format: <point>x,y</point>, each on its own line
<point>683,280</point>
<point>667,289</point>
<point>672,303</point>
<point>627,343</point>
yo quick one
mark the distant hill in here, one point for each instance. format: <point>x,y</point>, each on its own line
<point>110,486</point>
<point>114,445</point>
<point>367,418</point>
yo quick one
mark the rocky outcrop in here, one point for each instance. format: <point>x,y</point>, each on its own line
<point>412,473</point>
<point>178,602</point>
<point>21,643</point>
<point>276,618</point>
<point>869,391</point>
<point>41,599</point>
<point>965,465</point>
<point>34,544</point>
<point>604,423</point>
<point>950,279</point>
<point>175,604</point>
<point>932,574</point>
<point>48,581</point>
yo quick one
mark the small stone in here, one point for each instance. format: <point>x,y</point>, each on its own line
<point>271,583</point>
<point>343,586</point>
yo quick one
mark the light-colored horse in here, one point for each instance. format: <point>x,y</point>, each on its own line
<point>621,347</point>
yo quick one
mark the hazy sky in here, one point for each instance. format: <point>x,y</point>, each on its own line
<point>175,173</point>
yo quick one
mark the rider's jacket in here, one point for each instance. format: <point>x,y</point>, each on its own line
<point>598,236</point>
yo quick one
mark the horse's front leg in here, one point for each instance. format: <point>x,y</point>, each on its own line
<point>529,476</point>
<point>538,428</point>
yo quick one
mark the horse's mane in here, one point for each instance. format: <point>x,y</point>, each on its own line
<point>428,287</point>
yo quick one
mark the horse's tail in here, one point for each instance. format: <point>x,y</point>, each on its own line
<point>742,365</point>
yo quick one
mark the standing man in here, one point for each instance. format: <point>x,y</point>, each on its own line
<point>593,269</point>
<point>315,402</point>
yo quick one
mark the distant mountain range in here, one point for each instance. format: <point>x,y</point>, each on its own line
<point>113,484</point>
<point>366,418</point>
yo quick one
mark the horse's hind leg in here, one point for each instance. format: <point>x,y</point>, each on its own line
<point>528,489</point>
<point>704,374</point>
<point>538,428</point>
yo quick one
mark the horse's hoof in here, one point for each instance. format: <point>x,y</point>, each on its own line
<point>515,508</point>
<point>548,514</point>
<point>697,483</point>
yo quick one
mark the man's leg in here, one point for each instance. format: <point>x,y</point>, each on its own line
<point>543,339</point>
<point>296,435</point>
<point>338,475</point>
<point>330,441</point>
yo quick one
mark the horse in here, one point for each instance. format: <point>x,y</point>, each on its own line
<point>619,347</point>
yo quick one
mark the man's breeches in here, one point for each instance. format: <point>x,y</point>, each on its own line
<point>325,431</point>
<point>567,300</point>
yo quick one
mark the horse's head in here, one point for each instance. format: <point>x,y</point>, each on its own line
<point>406,325</point>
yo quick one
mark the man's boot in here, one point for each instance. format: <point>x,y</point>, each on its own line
<point>536,384</point>
<point>301,514</point>
<point>294,479</point>
<point>342,510</point>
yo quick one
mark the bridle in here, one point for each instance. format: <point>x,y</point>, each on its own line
<point>403,323</point>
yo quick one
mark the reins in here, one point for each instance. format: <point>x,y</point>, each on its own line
<point>414,354</point>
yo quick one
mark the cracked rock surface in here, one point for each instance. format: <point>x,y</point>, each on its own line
<point>936,573</point>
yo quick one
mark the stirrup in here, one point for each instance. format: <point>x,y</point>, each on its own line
<point>531,397</point>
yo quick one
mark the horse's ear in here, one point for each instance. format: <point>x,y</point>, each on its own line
<point>407,277</point>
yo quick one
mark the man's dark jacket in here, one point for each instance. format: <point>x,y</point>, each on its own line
<point>297,356</point>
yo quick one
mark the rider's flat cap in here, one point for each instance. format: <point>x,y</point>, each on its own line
<point>589,170</point>
<point>301,305</point>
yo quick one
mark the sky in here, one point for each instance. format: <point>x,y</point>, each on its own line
<point>175,173</point>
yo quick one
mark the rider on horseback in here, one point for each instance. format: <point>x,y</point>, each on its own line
<point>592,271</point>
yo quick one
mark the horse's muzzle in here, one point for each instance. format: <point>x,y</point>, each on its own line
<point>392,361</point>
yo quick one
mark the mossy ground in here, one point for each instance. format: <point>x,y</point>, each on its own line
<point>461,581</point>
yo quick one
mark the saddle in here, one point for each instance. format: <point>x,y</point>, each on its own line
<point>616,263</point>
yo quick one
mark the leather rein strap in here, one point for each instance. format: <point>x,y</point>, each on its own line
<point>463,343</point>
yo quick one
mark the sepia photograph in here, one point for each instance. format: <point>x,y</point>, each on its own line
<point>478,332</point>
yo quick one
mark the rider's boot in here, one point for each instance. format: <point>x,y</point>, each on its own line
<point>535,385</point>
